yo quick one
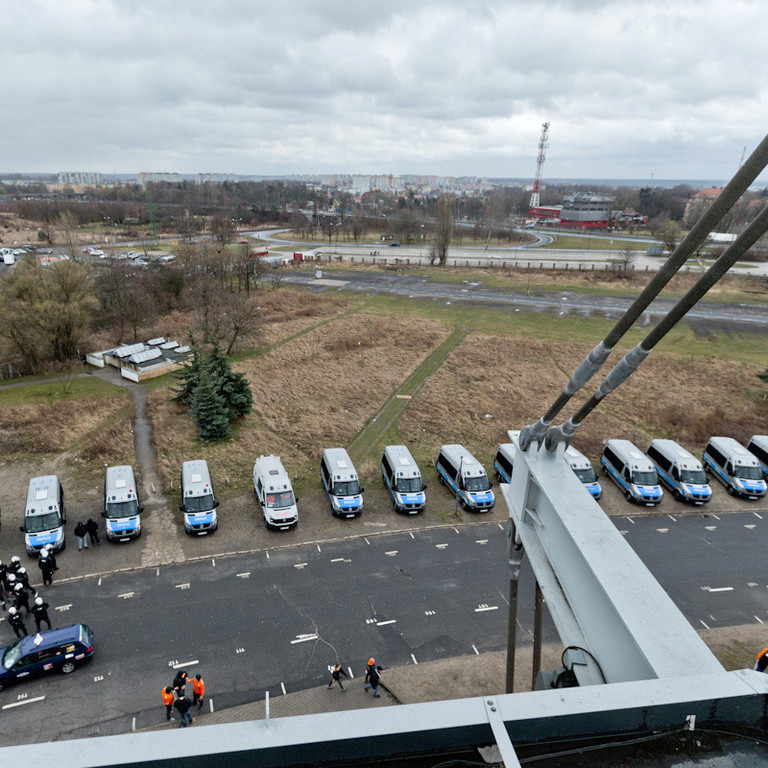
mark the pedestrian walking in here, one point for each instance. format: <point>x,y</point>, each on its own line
<point>368,667</point>
<point>21,596</point>
<point>40,612</point>
<point>81,532</point>
<point>198,691</point>
<point>93,530</point>
<point>336,673</point>
<point>183,705</point>
<point>14,565</point>
<point>180,682</point>
<point>16,620</point>
<point>762,660</point>
<point>167,694</point>
<point>47,565</point>
<point>24,578</point>
<point>374,678</point>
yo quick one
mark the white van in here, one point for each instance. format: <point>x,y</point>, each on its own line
<point>584,470</point>
<point>403,479</point>
<point>735,467</point>
<point>680,471</point>
<point>632,471</point>
<point>274,493</point>
<point>465,476</point>
<point>122,512</point>
<point>758,447</point>
<point>44,516</point>
<point>341,483</point>
<point>504,462</point>
<point>198,502</point>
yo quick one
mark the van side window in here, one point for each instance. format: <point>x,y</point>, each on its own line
<point>756,450</point>
<point>387,468</point>
<point>716,456</point>
<point>447,467</point>
<point>324,471</point>
<point>504,463</point>
<point>610,456</point>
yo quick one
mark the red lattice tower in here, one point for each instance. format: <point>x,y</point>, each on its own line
<point>543,144</point>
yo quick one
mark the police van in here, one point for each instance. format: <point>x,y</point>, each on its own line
<point>584,470</point>
<point>44,516</point>
<point>465,476</point>
<point>274,493</point>
<point>403,479</point>
<point>632,471</point>
<point>504,462</point>
<point>341,483</point>
<point>758,447</point>
<point>198,502</point>
<point>122,511</point>
<point>680,471</point>
<point>735,467</point>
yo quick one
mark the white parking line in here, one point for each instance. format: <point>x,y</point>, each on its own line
<point>244,575</point>
<point>501,527</point>
<point>351,674</point>
<point>185,664</point>
<point>336,560</point>
<point>391,553</point>
<point>631,520</point>
<point>67,607</point>
<point>759,517</point>
<point>483,607</point>
<point>759,620</point>
<point>213,562</point>
<point>133,723</point>
<point>282,688</point>
<point>210,704</point>
<point>474,648</point>
<point>126,595</point>
<point>718,589</point>
<point>303,639</point>
<point>300,565</point>
<point>367,542</point>
<point>183,586</point>
<point>99,584</point>
<point>414,659</point>
<point>22,702</point>
<point>703,624</point>
<point>267,554</point>
<point>663,530</point>
<point>710,527</point>
<point>481,541</point>
<point>441,546</point>
<point>384,623</point>
<point>716,517</point>
<point>673,519</point>
<point>749,527</point>
<point>456,529</point>
<point>158,572</point>
<point>412,536</point>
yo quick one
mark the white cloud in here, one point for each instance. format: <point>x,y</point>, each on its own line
<point>674,89</point>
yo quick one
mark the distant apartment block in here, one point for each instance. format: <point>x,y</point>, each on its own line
<point>215,178</point>
<point>145,177</point>
<point>80,178</point>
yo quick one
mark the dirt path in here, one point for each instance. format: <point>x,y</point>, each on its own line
<point>161,532</point>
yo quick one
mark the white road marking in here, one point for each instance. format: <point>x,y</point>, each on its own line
<point>485,607</point>
<point>300,565</point>
<point>239,650</point>
<point>186,664</point>
<point>303,639</point>
<point>456,529</point>
<point>23,701</point>
<point>98,678</point>
<point>336,560</point>
<point>210,704</point>
<point>759,620</point>
<point>703,624</point>
<point>663,530</point>
<point>414,659</point>
<point>712,617</point>
<point>99,584</point>
<point>501,527</point>
<point>716,517</point>
<point>267,555</point>
<point>412,536</point>
<point>318,548</point>
<point>749,527</point>
<point>282,688</point>
<point>673,519</point>
<point>133,724</point>
<point>441,546</point>
<point>474,648</point>
<point>183,586</point>
<point>367,542</point>
<point>759,517</point>
<point>351,674</point>
<point>718,589</point>
<point>67,607</point>
<point>391,553</point>
<point>244,575</point>
<point>481,541</point>
<point>430,613</point>
<point>751,583</point>
<point>623,533</point>
<point>158,572</point>
<point>710,527</point>
<point>631,520</point>
<point>384,623</point>
<point>213,562</point>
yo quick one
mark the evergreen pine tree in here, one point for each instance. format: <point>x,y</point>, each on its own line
<point>232,387</point>
<point>210,410</point>
<point>189,375</point>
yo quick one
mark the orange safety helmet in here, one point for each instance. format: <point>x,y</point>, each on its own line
<point>371,661</point>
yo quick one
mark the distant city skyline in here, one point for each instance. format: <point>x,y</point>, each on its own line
<point>642,90</point>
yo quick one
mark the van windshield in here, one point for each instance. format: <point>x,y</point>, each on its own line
<point>474,484</point>
<point>693,476</point>
<point>116,509</point>
<point>198,503</point>
<point>748,473</point>
<point>12,654</point>
<point>350,488</point>
<point>645,478</point>
<point>280,500</point>
<point>586,475</point>
<point>409,485</point>
<point>40,523</point>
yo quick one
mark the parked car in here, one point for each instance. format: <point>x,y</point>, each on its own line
<point>56,650</point>
<point>394,244</point>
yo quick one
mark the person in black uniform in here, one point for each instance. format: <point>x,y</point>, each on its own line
<point>14,565</point>
<point>183,704</point>
<point>23,577</point>
<point>16,620</point>
<point>21,596</point>
<point>47,564</point>
<point>336,673</point>
<point>93,530</point>
<point>40,612</point>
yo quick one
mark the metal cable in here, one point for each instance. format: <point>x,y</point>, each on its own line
<point>731,193</point>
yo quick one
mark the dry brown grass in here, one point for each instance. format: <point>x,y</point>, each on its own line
<point>313,393</point>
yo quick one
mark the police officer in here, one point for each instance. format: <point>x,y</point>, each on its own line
<point>16,620</point>
<point>24,578</point>
<point>14,565</point>
<point>10,582</point>
<point>22,597</point>
<point>47,564</point>
<point>3,570</point>
<point>40,611</point>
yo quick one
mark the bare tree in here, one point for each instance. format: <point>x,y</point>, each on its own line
<point>242,321</point>
<point>443,231</point>
<point>223,230</point>
<point>68,224</point>
<point>625,258</point>
<point>670,234</point>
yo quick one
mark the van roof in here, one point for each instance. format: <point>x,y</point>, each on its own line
<point>457,453</point>
<point>42,495</point>
<point>403,464</point>
<point>196,478</point>
<point>631,454</point>
<point>576,459</point>
<point>509,450</point>
<point>676,453</point>
<point>340,464</point>
<point>759,440</point>
<point>735,450</point>
<point>273,475</point>
<point>51,638</point>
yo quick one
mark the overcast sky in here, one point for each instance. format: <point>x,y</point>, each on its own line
<point>632,88</point>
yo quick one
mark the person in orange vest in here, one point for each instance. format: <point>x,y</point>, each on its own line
<point>167,694</point>
<point>198,691</point>
<point>762,660</point>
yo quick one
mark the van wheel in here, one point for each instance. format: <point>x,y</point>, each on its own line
<point>628,496</point>
<point>678,496</point>
<point>67,667</point>
<point>441,479</point>
<point>731,492</point>
<point>605,471</point>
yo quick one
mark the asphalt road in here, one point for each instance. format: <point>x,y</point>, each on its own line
<point>275,619</point>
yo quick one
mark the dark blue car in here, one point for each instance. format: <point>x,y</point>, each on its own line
<point>57,650</point>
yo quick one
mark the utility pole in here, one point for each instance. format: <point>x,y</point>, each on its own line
<point>536,194</point>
